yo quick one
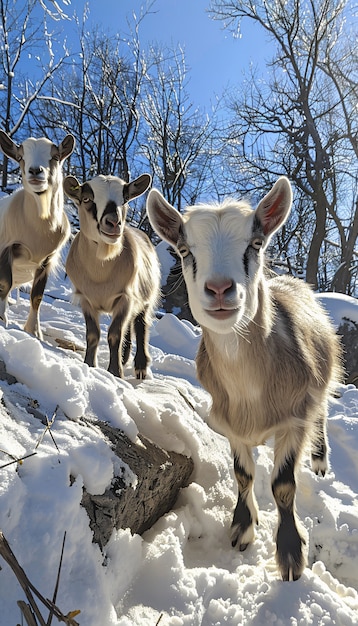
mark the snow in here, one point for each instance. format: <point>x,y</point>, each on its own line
<point>339,306</point>
<point>183,571</point>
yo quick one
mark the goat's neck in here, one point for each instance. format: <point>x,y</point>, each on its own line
<point>49,204</point>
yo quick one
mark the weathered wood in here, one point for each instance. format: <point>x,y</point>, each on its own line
<point>348,331</point>
<point>160,476</point>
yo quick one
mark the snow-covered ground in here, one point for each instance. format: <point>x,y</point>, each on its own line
<point>183,571</point>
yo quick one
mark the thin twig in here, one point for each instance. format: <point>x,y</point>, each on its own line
<point>18,460</point>
<point>48,428</point>
<point>28,587</point>
<point>49,621</point>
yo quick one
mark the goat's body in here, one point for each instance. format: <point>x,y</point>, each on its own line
<point>268,355</point>
<point>33,224</point>
<point>120,278</point>
<point>271,376</point>
<point>34,240</point>
<point>100,284</point>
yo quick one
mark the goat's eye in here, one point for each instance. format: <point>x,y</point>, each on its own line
<point>257,243</point>
<point>183,250</point>
<point>86,200</point>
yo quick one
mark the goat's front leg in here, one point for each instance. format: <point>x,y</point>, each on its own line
<point>120,318</point>
<point>92,334</point>
<point>32,325</point>
<point>246,513</point>
<point>289,541</point>
<point>6,259</point>
<point>141,358</point>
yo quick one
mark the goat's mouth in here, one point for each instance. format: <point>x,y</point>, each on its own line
<point>221,314</point>
<point>113,236</point>
<point>37,182</point>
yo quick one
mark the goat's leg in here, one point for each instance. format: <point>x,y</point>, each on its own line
<point>92,336</point>
<point>121,314</point>
<point>6,259</point>
<point>141,358</point>
<point>246,513</point>
<point>319,454</point>
<point>289,541</point>
<point>32,325</point>
<point>126,345</point>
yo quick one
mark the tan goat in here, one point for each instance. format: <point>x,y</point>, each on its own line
<point>33,225</point>
<point>114,268</point>
<point>268,354</point>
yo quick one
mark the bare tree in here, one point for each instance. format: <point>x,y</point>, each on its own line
<point>25,34</point>
<point>103,87</point>
<point>301,120</point>
<point>180,140</point>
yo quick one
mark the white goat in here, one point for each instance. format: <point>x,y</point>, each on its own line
<point>33,225</point>
<point>268,353</point>
<point>114,268</point>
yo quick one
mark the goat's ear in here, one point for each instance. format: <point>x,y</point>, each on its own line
<point>66,147</point>
<point>72,188</point>
<point>164,219</point>
<point>8,146</point>
<point>136,187</point>
<point>275,207</point>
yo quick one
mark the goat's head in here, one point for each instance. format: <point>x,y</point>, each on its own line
<point>102,207</point>
<point>38,159</point>
<point>221,248</point>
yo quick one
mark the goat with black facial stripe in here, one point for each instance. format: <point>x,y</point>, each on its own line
<point>114,268</point>
<point>268,354</point>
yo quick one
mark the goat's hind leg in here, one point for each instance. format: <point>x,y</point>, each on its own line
<point>319,453</point>
<point>289,541</point>
<point>6,259</point>
<point>245,514</point>
<point>141,358</point>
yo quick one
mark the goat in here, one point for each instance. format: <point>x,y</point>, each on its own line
<point>268,354</point>
<point>114,268</point>
<point>33,225</point>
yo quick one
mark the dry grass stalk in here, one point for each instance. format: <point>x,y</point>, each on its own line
<point>31,612</point>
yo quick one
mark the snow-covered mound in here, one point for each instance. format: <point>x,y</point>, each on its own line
<point>183,572</point>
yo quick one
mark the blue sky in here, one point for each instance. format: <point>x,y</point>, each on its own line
<point>216,59</point>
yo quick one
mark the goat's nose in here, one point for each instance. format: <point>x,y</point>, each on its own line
<point>112,220</point>
<point>35,171</point>
<point>218,287</point>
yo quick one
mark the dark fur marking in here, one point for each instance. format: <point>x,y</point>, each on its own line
<point>285,475</point>
<point>126,346</point>
<point>141,358</point>
<point>110,208</point>
<point>289,547</point>
<point>242,517</point>
<point>5,271</point>
<point>92,338</point>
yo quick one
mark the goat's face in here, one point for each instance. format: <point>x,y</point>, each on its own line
<point>221,248</point>
<point>39,159</point>
<point>102,204</point>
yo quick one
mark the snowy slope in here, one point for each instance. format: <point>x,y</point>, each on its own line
<point>183,571</point>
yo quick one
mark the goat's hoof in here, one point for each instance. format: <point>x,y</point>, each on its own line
<point>319,465</point>
<point>140,374</point>
<point>242,546</point>
<point>290,575</point>
<point>241,539</point>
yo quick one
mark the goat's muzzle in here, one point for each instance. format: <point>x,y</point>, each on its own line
<point>110,227</point>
